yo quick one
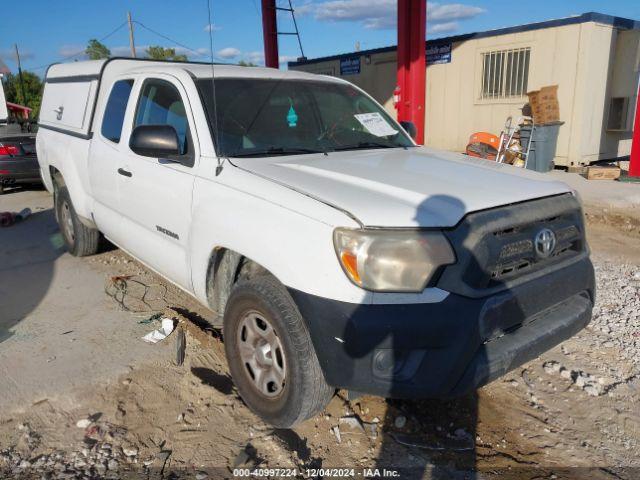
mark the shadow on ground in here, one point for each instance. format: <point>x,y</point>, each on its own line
<point>28,251</point>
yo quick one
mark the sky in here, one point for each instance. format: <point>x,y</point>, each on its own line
<point>49,31</point>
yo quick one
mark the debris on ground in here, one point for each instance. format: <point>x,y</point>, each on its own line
<point>9,218</point>
<point>353,422</point>
<point>335,430</point>
<point>83,423</point>
<point>181,346</point>
<point>163,332</point>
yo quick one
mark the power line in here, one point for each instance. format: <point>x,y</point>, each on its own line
<point>256,7</point>
<point>69,57</point>
<point>165,37</point>
<point>168,38</point>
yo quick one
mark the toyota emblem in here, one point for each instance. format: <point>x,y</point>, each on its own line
<point>545,242</point>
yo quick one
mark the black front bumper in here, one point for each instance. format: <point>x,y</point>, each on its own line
<point>446,349</point>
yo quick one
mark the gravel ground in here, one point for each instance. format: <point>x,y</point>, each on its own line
<point>574,408</point>
<point>617,311</point>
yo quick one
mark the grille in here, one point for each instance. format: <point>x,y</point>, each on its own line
<point>517,254</point>
<point>495,248</point>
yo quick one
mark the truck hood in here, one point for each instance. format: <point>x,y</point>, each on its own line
<point>404,187</point>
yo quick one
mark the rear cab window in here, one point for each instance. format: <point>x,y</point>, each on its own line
<point>115,110</point>
<point>160,103</point>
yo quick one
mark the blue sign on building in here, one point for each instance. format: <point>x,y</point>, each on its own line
<point>439,54</point>
<point>350,66</point>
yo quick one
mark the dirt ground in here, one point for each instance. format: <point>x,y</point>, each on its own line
<point>573,413</point>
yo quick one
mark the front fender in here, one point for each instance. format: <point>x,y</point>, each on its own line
<point>297,248</point>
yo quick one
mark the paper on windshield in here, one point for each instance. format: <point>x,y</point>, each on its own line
<point>375,124</point>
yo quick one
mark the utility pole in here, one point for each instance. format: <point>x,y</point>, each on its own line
<point>24,99</point>
<point>270,33</point>
<point>412,69</point>
<point>131,42</point>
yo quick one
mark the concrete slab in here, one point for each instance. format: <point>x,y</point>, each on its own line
<point>602,193</point>
<point>58,330</point>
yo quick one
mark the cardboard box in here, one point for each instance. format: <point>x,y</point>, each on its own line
<point>544,103</point>
<point>603,173</point>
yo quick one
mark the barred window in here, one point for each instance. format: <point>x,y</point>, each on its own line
<point>505,73</point>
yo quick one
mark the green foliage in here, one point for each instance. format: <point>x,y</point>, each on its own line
<point>32,91</point>
<point>157,52</point>
<point>96,50</point>
<point>243,63</point>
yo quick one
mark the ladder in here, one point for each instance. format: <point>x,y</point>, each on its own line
<point>295,25</point>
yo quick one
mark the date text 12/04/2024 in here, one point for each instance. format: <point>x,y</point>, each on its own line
<point>316,472</point>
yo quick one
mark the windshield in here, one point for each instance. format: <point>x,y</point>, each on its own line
<point>262,117</point>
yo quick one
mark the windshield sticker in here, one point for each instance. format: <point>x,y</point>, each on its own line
<point>375,124</point>
<point>292,116</point>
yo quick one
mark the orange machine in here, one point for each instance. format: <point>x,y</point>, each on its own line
<point>483,145</point>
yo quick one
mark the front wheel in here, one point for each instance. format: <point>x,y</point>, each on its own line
<point>270,354</point>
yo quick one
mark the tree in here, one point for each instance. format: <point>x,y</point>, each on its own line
<point>96,50</point>
<point>244,63</point>
<point>157,52</point>
<point>32,90</point>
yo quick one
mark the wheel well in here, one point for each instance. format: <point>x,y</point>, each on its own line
<point>56,177</point>
<point>226,268</point>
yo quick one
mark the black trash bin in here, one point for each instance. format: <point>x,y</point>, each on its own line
<point>543,146</point>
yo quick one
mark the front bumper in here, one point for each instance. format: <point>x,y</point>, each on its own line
<point>446,349</point>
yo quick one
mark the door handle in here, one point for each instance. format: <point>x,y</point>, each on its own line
<point>124,172</point>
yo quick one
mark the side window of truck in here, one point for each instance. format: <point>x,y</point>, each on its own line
<point>115,110</point>
<point>160,104</point>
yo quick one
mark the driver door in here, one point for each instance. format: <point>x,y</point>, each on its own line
<point>156,193</point>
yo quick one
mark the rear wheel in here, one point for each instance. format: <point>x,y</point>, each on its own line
<point>79,239</point>
<point>270,354</point>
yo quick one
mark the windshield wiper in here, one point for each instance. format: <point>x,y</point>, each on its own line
<point>277,151</point>
<point>365,145</point>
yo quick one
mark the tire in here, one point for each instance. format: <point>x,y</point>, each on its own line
<point>1,189</point>
<point>79,239</point>
<point>263,301</point>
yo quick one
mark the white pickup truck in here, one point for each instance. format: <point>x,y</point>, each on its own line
<point>336,252</point>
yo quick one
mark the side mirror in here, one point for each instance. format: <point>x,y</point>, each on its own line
<point>154,141</point>
<point>410,128</point>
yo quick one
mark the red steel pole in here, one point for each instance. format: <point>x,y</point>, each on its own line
<point>634,165</point>
<point>412,69</point>
<point>270,33</point>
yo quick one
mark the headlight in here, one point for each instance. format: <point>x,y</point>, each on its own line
<point>391,260</point>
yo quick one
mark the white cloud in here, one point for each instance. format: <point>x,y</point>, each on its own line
<point>10,53</point>
<point>382,14</point>
<point>355,10</point>
<point>437,12</point>
<point>287,58</point>
<point>229,52</point>
<point>304,9</point>
<point>256,57</point>
<point>212,27</point>
<point>446,27</point>
<point>125,51</point>
<point>72,50</point>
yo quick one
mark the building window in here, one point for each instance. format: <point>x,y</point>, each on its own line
<point>505,73</point>
<point>618,114</point>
